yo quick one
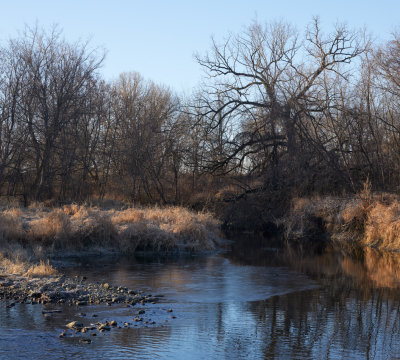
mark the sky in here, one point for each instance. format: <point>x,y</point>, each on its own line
<point>159,38</point>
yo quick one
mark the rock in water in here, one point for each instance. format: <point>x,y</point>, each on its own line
<point>74,325</point>
<point>85,341</point>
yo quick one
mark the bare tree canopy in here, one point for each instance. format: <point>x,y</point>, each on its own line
<point>280,113</point>
<point>266,79</point>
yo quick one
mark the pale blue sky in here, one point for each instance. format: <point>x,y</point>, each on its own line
<point>158,38</point>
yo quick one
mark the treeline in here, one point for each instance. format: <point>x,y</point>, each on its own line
<point>281,114</point>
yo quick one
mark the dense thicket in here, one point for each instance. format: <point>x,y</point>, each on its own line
<point>281,114</point>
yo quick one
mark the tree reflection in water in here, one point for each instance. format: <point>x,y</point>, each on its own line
<point>355,313</point>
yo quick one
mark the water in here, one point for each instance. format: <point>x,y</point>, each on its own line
<point>248,303</point>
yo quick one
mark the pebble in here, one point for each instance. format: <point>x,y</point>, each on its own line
<point>85,341</point>
<point>72,291</point>
<point>103,327</point>
<point>74,325</point>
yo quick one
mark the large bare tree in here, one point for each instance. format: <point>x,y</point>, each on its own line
<point>266,81</point>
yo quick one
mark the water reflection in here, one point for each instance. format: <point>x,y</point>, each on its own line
<point>244,304</point>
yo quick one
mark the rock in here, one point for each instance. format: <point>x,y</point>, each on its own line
<point>85,341</point>
<point>35,294</point>
<point>106,285</point>
<point>6,283</point>
<point>141,312</point>
<point>74,325</point>
<point>173,317</point>
<point>113,323</point>
<point>169,310</point>
<point>103,327</point>
<point>62,334</point>
<point>118,299</point>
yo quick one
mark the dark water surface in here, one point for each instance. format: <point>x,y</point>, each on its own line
<point>249,303</point>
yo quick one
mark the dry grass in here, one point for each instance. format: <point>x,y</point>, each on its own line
<point>38,233</point>
<point>304,218</point>
<point>41,269</point>
<point>26,268</point>
<point>382,229</point>
<point>170,228</point>
<point>8,266</point>
<point>368,219</point>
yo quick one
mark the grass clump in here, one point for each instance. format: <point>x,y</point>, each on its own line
<point>25,268</point>
<point>41,269</point>
<point>37,233</point>
<point>368,219</point>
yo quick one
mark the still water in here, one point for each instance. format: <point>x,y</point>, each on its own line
<point>252,302</point>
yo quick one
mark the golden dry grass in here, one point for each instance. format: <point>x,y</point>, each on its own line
<point>8,266</point>
<point>367,219</point>
<point>44,231</point>
<point>41,269</point>
<point>26,268</point>
<point>382,229</point>
<point>173,227</point>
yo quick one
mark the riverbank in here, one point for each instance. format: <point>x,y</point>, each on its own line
<point>365,220</point>
<point>63,290</point>
<point>56,292</point>
<point>28,235</point>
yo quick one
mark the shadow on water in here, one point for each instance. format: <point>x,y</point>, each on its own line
<point>254,301</point>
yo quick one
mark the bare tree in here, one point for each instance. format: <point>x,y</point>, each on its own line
<point>269,80</point>
<point>57,77</point>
